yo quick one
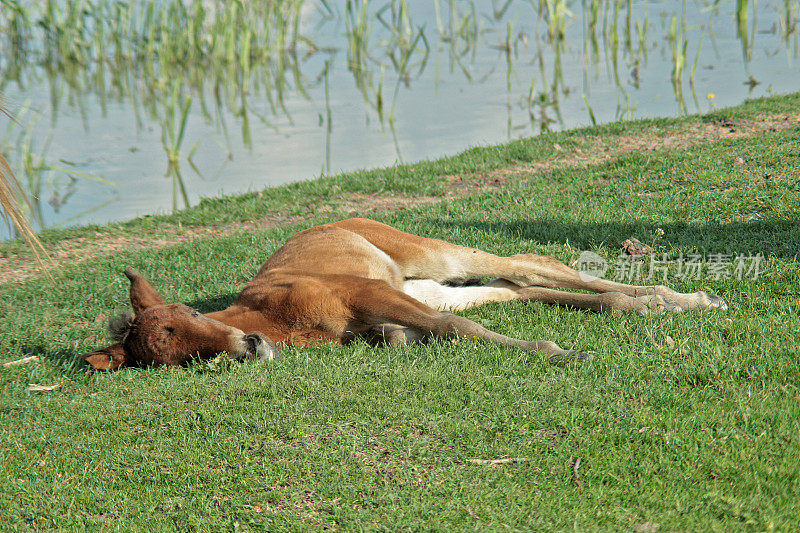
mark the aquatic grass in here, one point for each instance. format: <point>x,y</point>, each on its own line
<point>591,47</point>
<point>610,13</point>
<point>462,33</point>
<point>174,129</point>
<point>641,31</point>
<point>229,39</point>
<point>589,109</point>
<point>593,15</point>
<point>326,167</point>
<point>679,43</point>
<point>40,174</point>
<point>406,42</point>
<point>628,25</point>
<point>694,68</point>
<point>557,13</point>
<point>612,40</point>
<point>788,18</point>
<point>546,101</point>
<point>153,39</point>
<point>147,47</point>
<point>357,30</point>
<point>506,47</point>
<point>741,28</point>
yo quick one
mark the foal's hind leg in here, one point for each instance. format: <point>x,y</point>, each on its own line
<point>393,335</point>
<point>445,298</point>
<point>530,270</point>
<point>542,271</point>
<point>658,298</point>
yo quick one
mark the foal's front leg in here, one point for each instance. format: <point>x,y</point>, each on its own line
<point>377,303</point>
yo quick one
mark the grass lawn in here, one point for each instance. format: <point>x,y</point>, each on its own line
<point>681,422</point>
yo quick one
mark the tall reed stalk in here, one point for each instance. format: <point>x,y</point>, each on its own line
<point>11,194</point>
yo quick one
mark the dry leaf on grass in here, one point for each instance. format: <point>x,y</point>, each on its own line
<point>35,387</point>
<point>23,361</point>
<point>575,477</point>
<point>634,246</point>
<point>647,527</point>
<point>495,462</point>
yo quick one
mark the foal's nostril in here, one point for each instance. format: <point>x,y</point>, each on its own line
<point>252,343</point>
<point>260,348</point>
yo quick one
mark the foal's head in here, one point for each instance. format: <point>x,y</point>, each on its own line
<point>172,334</point>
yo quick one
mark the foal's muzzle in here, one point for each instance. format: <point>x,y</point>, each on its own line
<point>260,347</point>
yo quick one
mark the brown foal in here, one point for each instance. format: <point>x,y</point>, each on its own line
<point>359,277</point>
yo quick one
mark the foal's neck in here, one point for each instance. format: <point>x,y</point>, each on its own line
<point>249,321</point>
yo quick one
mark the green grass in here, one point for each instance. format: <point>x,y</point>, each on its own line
<point>688,421</point>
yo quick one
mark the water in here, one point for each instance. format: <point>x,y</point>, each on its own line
<point>478,73</point>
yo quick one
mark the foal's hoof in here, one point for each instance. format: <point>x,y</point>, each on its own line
<point>571,356</point>
<point>702,301</point>
<point>670,306</point>
<point>715,302</point>
<point>653,304</point>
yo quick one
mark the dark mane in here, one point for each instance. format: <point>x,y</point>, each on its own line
<point>120,326</point>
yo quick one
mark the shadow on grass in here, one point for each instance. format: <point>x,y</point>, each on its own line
<point>67,360</point>
<point>214,303</point>
<point>776,238</point>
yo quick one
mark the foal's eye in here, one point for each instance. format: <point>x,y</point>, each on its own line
<point>169,329</point>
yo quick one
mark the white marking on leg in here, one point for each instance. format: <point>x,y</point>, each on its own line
<point>445,298</point>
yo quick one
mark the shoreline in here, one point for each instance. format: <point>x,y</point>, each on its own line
<point>378,191</point>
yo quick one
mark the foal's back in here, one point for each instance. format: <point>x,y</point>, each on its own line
<point>331,249</point>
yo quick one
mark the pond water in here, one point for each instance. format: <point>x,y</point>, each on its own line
<point>140,107</point>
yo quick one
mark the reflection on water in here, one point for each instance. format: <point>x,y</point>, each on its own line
<point>128,108</point>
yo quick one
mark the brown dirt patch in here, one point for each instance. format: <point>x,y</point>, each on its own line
<point>592,151</point>
<point>16,267</point>
<point>597,150</point>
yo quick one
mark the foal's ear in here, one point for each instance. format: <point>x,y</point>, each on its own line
<point>108,358</point>
<point>143,295</point>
